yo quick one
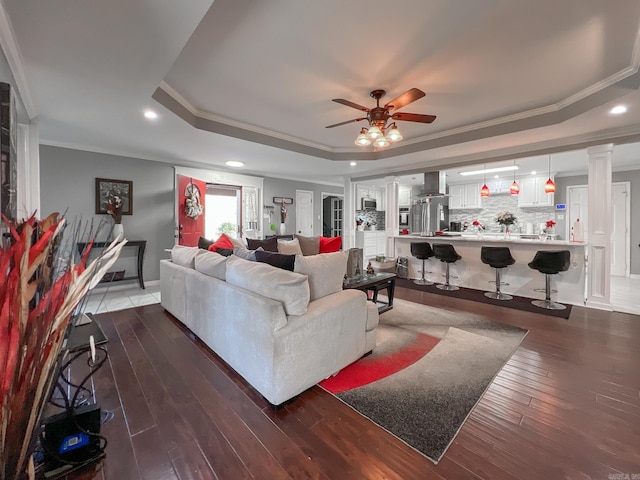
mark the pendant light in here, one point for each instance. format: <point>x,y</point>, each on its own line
<point>549,187</point>
<point>484,191</point>
<point>515,188</point>
<point>363,140</point>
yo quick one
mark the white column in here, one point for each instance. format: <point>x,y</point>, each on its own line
<point>28,188</point>
<point>599,256</point>
<point>349,216</point>
<point>392,226</point>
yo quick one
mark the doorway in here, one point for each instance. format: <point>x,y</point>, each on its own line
<point>577,198</point>
<point>332,214</point>
<point>223,213</point>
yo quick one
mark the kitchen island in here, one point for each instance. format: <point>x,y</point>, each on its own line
<point>522,280</point>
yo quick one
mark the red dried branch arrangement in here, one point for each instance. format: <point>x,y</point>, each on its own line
<point>38,294</point>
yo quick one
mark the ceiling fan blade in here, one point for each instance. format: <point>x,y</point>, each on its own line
<point>406,98</point>
<point>344,123</point>
<point>351,104</point>
<point>413,117</point>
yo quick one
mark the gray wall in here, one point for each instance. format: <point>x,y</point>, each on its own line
<point>633,177</point>
<point>67,180</point>
<point>276,187</point>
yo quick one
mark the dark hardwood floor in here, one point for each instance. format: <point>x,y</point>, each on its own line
<point>566,405</point>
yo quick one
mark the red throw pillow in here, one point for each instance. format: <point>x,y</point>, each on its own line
<point>330,244</point>
<point>222,242</point>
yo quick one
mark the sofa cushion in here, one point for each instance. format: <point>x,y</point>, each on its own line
<point>330,244</point>
<point>309,245</point>
<point>289,247</point>
<point>325,272</point>
<point>204,243</point>
<point>269,245</point>
<point>280,260</point>
<point>238,242</point>
<point>245,253</point>
<point>212,264</point>
<point>185,256</point>
<point>289,288</point>
<point>225,252</point>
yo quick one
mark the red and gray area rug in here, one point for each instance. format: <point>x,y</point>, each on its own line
<point>429,369</point>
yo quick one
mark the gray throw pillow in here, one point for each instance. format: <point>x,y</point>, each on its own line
<point>309,245</point>
<point>246,253</point>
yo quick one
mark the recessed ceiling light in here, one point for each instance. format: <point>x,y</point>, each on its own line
<point>234,163</point>
<point>496,176</point>
<point>618,110</point>
<point>150,114</point>
<point>533,172</point>
<point>490,170</point>
<point>353,164</point>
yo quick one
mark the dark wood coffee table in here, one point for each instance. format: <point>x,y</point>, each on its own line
<point>372,284</point>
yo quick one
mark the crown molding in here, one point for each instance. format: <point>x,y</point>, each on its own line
<point>16,63</point>
<point>204,115</point>
<point>627,134</point>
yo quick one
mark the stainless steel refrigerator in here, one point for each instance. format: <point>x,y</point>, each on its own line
<point>429,215</point>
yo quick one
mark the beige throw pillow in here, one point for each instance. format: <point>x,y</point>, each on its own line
<point>289,247</point>
<point>325,272</point>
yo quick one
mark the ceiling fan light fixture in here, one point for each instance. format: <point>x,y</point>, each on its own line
<point>394,134</point>
<point>374,132</point>
<point>362,140</point>
<point>381,142</point>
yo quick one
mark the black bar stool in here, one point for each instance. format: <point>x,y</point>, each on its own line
<point>498,258</point>
<point>550,262</point>
<point>422,251</point>
<point>446,253</point>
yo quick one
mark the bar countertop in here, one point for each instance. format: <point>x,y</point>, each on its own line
<point>489,238</point>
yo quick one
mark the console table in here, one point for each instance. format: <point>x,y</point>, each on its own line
<point>374,283</point>
<point>139,244</point>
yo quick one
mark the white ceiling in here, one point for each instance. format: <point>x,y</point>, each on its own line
<point>253,80</point>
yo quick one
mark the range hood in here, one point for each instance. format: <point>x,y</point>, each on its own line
<point>434,185</point>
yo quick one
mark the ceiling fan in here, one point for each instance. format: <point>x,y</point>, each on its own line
<point>378,116</point>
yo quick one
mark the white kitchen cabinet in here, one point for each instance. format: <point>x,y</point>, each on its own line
<point>373,243</point>
<point>404,196</point>
<point>464,196</point>
<point>375,193</point>
<point>532,193</point>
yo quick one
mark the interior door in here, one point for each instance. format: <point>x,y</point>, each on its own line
<point>304,212</point>
<point>336,217</point>
<point>190,201</point>
<point>577,199</point>
<point>620,227</point>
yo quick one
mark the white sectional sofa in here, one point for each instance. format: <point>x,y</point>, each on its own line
<point>282,331</point>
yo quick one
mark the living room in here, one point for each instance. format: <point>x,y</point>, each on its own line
<point>81,91</point>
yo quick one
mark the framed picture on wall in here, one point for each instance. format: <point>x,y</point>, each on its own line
<point>107,188</point>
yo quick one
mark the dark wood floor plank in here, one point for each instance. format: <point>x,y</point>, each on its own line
<point>219,453</point>
<point>120,461</point>
<point>134,403</point>
<point>173,432</point>
<point>291,460</point>
<point>566,405</point>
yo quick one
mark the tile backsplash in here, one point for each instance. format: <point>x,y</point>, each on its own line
<point>498,202</point>
<point>372,216</point>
